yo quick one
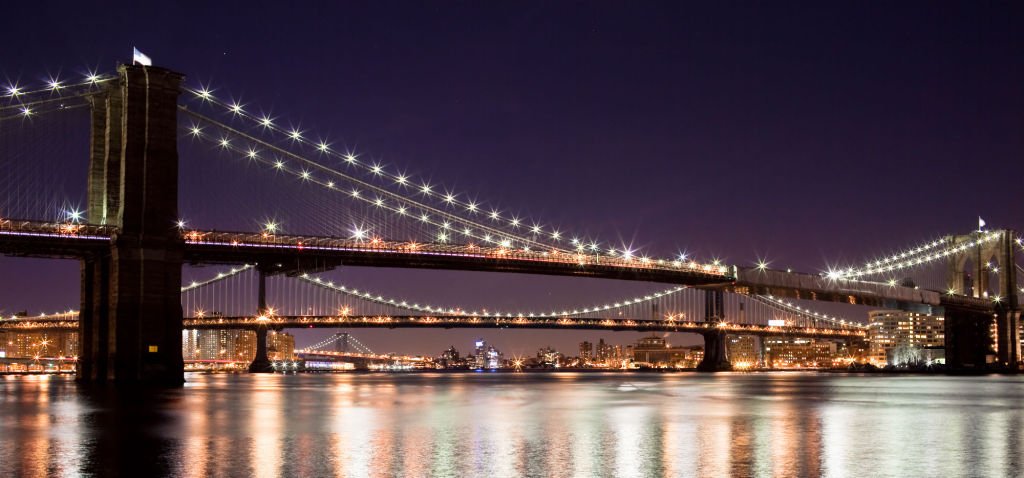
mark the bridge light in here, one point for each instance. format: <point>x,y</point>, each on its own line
<point>181,224</point>
<point>495,215</point>
<point>305,175</point>
<point>266,121</point>
<point>762,265</point>
<point>54,84</point>
<point>224,142</point>
<point>235,108</point>
<point>74,215</point>
<point>13,90</point>
<point>251,153</point>
<point>323,147</point>
<point>26,111</point>
<point>204,93</point>
<point>377,169</point>
<point>270,227</point>
<point>471,207</point>
<point>295,134</point>
<point>425,189</point>
<point>514,222</point>
<point>92,77</point>
<point>279,164</point>
<point>556,235</point>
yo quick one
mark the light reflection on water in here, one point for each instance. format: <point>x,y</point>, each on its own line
<point>783,424</point>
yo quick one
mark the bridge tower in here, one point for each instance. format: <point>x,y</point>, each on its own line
<point>716,357</point>
<point>261,363</point>
<point>131,318</point>
<point>967,332</point>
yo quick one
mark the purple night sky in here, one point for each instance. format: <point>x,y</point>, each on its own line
<point>807,133</point>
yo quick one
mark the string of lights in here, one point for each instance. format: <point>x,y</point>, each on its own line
<point>549,237</point>
<point>403,304</point>
<point>219,277</point>
<point>805,312</point>
<point>399,205</point>
<point>918,257</point>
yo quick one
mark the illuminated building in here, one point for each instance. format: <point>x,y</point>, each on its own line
<point>743,351</point>
<point>897,336</point>
<point>549,357</point>
<point>798,352</point>
<point>479,354</point>
<point>586,352</point>
<point>450,358</point>
<point>59,343</point>
<point>486,356</point>
<point>280,346</point>
<point>233,345</point>
<point>654,351</point>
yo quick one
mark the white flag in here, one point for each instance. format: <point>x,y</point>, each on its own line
<point>981,223</point>
<point>140,58</point>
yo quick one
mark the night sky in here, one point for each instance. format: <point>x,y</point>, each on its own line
<point>806,133</point>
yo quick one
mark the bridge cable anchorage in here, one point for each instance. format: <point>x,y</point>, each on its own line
<point>237,110</point>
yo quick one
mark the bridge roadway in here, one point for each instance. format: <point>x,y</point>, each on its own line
<point>297,253</point>
<point>463,321</point>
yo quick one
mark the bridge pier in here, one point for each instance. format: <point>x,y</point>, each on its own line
<point>968,340</point>
<point>1008,337</point>
<point>261,363</point>
<point>716,356</point>
<point>131,303</point>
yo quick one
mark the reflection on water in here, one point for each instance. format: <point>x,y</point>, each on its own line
<point>783,424</point>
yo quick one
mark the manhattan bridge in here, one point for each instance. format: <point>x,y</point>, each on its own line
<point>144,132</point>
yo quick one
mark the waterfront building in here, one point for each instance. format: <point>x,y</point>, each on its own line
<point>57,343</point>
<point>280,346</point>
<point>744,351</point>
<point>799,352</point>
<point>654,351</point>
<point>898,336</point>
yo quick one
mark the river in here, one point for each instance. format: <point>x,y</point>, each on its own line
<point>507,424</point>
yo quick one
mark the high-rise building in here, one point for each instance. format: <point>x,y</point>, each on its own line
<point>480,354</point>
<point>231,345</point>
<point>58,343</point>
<point>280,346</point>
<point>586,352</point>
<point>897,337</point>
<point>603,351</point>
<point>549,357</point>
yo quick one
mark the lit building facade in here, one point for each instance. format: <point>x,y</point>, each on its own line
<point>586,352</point>
<point>654,351</point>
<point>743,351</point>
<point>58,343</point>
<point>799,352</point>
<point>280,346</point>
<point>896,335</point>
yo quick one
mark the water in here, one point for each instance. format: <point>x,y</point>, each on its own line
<point>502,425</point>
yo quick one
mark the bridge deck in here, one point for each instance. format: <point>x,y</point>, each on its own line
<point>462,321</point>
